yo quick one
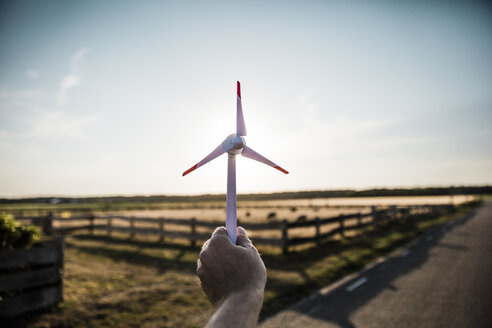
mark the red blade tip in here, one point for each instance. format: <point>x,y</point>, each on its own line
<point>238,89</point>
<point>190,169</point>
<point>281,169</point>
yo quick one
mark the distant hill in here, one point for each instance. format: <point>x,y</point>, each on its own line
<point>435,191</point>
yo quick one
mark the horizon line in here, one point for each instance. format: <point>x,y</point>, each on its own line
<point>452,186</point>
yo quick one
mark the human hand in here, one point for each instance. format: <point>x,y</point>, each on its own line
<point>231,271</point>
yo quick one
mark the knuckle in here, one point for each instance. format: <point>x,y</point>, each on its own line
<point>219,230</point>
<point>205,245</point>
<point>199,270</point>
<point>245,239</point>
<point>216,241</point>
<point>204,254</point>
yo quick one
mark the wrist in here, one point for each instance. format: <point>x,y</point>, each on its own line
<point>240,309</point>
<point>252,298</point>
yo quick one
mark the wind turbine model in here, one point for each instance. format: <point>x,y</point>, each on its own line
<point>233,145</point>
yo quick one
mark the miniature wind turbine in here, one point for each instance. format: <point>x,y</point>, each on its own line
<point>234,145</point>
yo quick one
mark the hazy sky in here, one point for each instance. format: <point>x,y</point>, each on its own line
<point>120,97</point>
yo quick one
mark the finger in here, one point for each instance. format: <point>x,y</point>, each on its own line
<point>219,231</point>
<point>219,238</point>
<point>241,231</point>
<point>206,255</point>
<point>242,238</point>
<point>205,244</point>
<point>199,267</point>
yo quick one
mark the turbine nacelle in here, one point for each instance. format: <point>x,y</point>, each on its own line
<point>237,143</point>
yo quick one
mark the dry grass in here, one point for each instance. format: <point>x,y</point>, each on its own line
<point>120,283</point>
<point>289,209</point>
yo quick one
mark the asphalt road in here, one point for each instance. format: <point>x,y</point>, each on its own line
<point>443,279</point>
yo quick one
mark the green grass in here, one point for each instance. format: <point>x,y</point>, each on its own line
<point>114,281</point>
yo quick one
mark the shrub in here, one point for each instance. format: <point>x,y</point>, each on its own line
<point>16,235</point>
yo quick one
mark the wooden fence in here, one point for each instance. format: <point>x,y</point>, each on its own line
<point>31,279</point>
<point>168,228</point>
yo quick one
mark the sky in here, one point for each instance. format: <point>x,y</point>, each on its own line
<point>120,97</point>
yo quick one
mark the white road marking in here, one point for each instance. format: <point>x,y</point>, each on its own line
<point>315,309</point>
<point>356,284</point>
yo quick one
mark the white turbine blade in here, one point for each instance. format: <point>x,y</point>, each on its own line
<point>250,153</point>
<point>223,147</point>
<point>240,126</point>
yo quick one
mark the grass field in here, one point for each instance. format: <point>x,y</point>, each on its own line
<point>114,281</point>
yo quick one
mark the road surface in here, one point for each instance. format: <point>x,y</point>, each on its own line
<point>444,279</point>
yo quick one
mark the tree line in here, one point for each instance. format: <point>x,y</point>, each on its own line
<point>381,192</point>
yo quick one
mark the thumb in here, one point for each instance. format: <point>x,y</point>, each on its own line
<point>242,238</point>
<point>219,231</point>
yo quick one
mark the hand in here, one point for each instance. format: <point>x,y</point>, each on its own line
<point>225,268</point>
<point>233,277</point>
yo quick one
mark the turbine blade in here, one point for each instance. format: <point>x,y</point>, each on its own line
<point>250,153</point>
<point>222,148</point>
<point>240,126</point>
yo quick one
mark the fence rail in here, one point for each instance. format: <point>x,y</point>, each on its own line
<point>166,227</point>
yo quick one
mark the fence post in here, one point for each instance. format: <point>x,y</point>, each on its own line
<point>193,231</point>
<point>285,237</point>
<point>359,219</point>
<point>452,208</point>
<point>48,224</point>
<point>342,228</point>
<point>60,247</point>
<point>91,224</point>
<point>132,227</point>
<point>161,229</point>
<point>109,225</point>
<point>318,234</point>
<point>374,214</point>
<point>394,212</point>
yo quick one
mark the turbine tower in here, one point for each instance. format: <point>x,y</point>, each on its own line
<point>234,145</point>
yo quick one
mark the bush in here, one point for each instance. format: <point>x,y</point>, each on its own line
<point>16,235</point>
